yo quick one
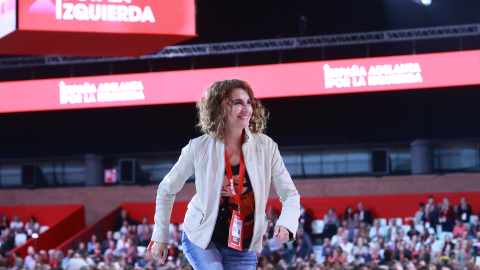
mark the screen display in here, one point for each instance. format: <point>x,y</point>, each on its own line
<point>8,17</point>
<point>268,81</point>
<point>109,16</point>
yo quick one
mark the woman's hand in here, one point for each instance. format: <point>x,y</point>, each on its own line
<point>160,251</point>
<point>281,234</point>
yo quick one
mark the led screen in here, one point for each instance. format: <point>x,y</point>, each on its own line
<point>8,17</point>
<point>109,16</point>
<point>268,81</point>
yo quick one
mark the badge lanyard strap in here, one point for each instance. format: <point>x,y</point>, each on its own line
<point>241,176</point>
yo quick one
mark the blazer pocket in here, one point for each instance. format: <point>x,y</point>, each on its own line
<point>193,218</point>
<point>264,220</point>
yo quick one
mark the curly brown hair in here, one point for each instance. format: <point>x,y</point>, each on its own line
<point>212,112</point>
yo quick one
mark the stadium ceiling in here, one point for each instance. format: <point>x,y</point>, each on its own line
<point>277,44</point>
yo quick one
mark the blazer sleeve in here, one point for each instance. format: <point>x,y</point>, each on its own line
<point>286,190</point>
<point>167,190</point>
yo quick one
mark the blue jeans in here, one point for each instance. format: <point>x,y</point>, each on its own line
<point>218,256</point>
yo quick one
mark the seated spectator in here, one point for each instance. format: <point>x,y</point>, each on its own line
<point>272,213</point>
<point>144,238</point>
<point>76,262</point>
<point>173,251</point>
<point>391,235</point>
<point>363,230</point>
<point>401,252</point>
<point>459,229</point>
<point>412,248</point>
<point>56,261</point>
<point>111,253</point>
<point>474,228</point>
<point>360,251</point>
<point>67,258</point>
<point>4,223</point>
<point>355,222</point>
<point>331,223</point>
<point>336,238</point>
<point>91,244</point>
<point>82,250</point>
<point>262,262</point>
<point>348,215</point>
<point>29,261</point>
<point>143,225</point>
<point>374,255</point>
<point>17,260</point>
<point>4,263</point>
<point>347,247</point>
<point>376,231</point>
<point>124,217</point>
<point>277,260</point>
<point>131,233</point>
<point>96,254</point>
<point>43,257</point>
<point>32,226</point>
<point>122,242</point>
<point>336,256</point>
<point>148,261</point>
<point>364,215</point>
<point>175,234</point>
<point>424,235</point>
<point>402,236</point>
<point>354,237</point>
<point>124,229</point>
<point>7,242</point>
<point>130,253</point>
<point>51,257</point>
<point>430,240</point>
<point>423,254</point>
<point>419,214</point>
<point>303,244</point>
<point>327,248</point>
<point>16,225</point>
<point>305,220</point>
<point>412,232</point>
<point>464,210</point>
<point>460,254</point>
<point>182,261</point>
<point>468,246</point>
<point>106,242</point>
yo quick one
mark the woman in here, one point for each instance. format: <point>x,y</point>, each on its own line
<point>32,226</point>
<point>348,215</point>
<point>16,225</point>
<point>447,245</point>
<point>234,163</point>
<point>447,216</point>
<point>4,224</point>
<point>360,251</point>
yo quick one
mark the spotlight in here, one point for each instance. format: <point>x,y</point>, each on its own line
<point>423,2</point>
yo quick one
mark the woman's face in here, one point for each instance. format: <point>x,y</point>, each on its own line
<point>447,238</point>
<point>239,109</point>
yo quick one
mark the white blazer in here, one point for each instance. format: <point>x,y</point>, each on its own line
<point>205,156</point>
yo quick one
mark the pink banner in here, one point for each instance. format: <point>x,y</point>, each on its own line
<point>109,16</point>
<point>268,81</point>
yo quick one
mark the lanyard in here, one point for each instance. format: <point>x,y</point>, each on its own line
<point>241,176</point>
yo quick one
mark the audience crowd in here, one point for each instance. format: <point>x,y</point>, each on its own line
<point>439,236</point>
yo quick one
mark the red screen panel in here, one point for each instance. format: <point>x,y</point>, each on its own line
<point>109,16</point>
<point>8,17</point>
<point>268,81</point>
